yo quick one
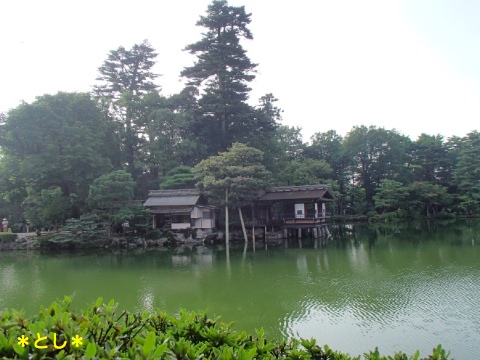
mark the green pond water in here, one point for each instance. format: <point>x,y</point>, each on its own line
<point>398,287</point>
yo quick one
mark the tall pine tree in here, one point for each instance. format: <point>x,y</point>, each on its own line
<point>222,71</point>
<point>125,78</point>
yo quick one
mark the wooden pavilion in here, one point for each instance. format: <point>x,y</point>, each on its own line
<point>293,207</point>
<point>180,209</point>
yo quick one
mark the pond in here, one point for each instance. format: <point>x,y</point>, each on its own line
<point>398,287</point>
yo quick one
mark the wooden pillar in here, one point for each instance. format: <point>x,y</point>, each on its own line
<point>253,226</point>
<point>244,230</point>
<point>227,235</point>
<point>253,237</point>
<point>266,242</point>
<point>267,220</point>
<point>285,233</point>
<point>299,233</point>
<point>315,233</point>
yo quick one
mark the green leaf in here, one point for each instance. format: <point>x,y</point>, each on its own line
<point>149,344</point>
<point>99,302</point>
<point>160,350</point>
<point>61,355</point>
<point>21,351</point>
<point>91,350</point>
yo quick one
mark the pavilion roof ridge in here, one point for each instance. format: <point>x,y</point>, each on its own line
<point>299,188</point>
<point>173,192</point>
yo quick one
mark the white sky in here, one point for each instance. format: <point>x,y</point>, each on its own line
<point>406,64</point>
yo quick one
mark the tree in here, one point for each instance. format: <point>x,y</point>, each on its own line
<point>125,78</point>
<point>355,201</point>
<point>232,178</point>
<point>57,141</point>
<point>290,143</point>
<point>109,195</point>
<point>169,142</point>
<point>390,196</point>
<point>47,208</point>
<point>306,172</point>
<point>222,71</point>
<point>12,189</point>
<point>452,147</point>
<point>265,122</point>
<point>180,177</point>
<point>429,199</point>
<point>377,154</point>
<point>285,146</point>
<point>328,146</point>
<point>428,158</point>
<point>466,174</point>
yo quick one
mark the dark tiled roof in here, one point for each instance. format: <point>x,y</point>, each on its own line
<point>174,192</point>
<point>293,193</point>
<point>177,197</point>
<point>172,210</point>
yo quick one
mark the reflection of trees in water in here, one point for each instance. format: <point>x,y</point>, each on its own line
<point>451,231</point>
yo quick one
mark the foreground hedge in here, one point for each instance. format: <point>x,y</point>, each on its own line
<point>57,332</point>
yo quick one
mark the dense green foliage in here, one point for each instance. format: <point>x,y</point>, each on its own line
<point>238,172</point>
<point>109,197</point>
<point>180,177</point>
<point>232,178</point>
<point>54,151</point>
<point>7,237</point>
<point>107,334</point>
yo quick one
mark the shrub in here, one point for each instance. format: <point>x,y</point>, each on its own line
<point>189,232</point>
<point>167,233</point>
<point>154,234</point>
<point>105,334</point>
<point>445,215</point>
<point>7,237</point>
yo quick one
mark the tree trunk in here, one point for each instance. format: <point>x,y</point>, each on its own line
<point>227,235</point>
<point>243,225</point>
<point>253,227</point>
<point>108,228</point>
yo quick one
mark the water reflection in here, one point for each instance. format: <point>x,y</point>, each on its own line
<point>147,299</point>
<point>9,280</point>
<point>394,286</point>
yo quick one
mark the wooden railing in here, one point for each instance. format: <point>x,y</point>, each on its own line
<point>304,221</point>
<point>288,221</point>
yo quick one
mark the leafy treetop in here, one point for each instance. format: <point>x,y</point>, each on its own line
<point>238,171</point>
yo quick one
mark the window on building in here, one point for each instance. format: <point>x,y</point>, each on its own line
<point>180,219</point>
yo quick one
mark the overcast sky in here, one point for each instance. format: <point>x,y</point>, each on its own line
<point>406,64</point>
